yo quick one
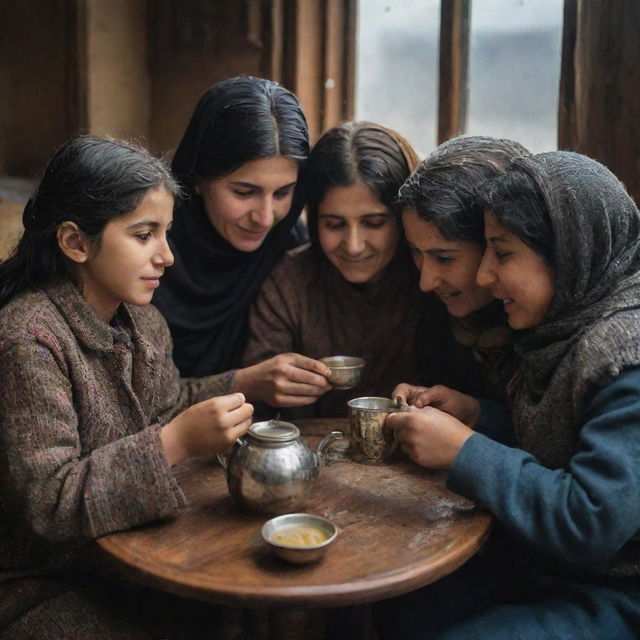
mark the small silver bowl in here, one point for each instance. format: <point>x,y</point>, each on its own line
<point>293,553</point>
<point>346,371</point>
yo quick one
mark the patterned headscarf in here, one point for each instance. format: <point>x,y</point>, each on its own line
<point>596,229</point>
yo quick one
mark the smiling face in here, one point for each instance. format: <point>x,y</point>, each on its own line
<point>245,205</point>
<point>447,267</point>
<point>517,275</point>
<point>357,233</point>
<point>131,258</point>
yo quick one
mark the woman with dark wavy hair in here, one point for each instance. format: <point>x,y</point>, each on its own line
<point>353,290</point>
<point>466,341</point>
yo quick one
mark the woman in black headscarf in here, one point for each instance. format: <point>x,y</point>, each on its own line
<point>238,163</point>
<point>563,255</point>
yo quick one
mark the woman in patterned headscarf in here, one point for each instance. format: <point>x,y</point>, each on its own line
<point>563,255</point>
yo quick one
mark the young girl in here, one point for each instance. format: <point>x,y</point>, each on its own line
<point>352,291</point>
<point>465,339</point>
<point>93,414</point>
<point>238,162</point>
<point>563,256</point>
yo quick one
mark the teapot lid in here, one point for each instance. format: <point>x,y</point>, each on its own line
<point>274,431</point>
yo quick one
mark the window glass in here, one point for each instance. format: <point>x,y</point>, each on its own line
<point>396,67</point>
<point>514,70</point>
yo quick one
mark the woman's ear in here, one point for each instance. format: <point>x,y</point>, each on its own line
<point>73,242</point>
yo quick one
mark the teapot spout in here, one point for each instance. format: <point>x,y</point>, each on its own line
<point>324,447</point>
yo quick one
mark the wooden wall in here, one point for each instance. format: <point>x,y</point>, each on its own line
<point>137,67</point>
<point>599,112</point>
<point>36,75</point>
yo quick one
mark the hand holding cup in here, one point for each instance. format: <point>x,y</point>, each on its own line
<point>461,406</point>
<point>429,436</point>
<point>286,380</point>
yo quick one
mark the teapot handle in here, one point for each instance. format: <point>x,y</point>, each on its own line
<point>324,446</point>
<point>223,456</point>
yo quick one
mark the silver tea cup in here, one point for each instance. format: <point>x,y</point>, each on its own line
<point>369,440</point>
<point>346,371</point>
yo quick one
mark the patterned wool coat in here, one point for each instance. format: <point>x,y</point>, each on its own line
<point>81,408</point>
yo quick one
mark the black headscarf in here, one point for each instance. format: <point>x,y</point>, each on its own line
<point>205,295</point>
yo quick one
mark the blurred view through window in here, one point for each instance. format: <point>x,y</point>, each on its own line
<point>514,69</point>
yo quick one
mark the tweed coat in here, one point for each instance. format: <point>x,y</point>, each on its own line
<point>81,408</point>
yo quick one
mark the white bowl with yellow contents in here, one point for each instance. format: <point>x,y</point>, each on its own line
<point>301,538</point>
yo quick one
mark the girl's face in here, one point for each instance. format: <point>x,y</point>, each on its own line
<point>447,267</point>
<point>357,233</point>
<point>517,275</point>
<point>246,204</point>
<point>131,258</point>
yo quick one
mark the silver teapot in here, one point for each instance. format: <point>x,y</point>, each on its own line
<point>272,469</point>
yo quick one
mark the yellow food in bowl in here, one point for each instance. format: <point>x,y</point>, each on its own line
<point>299,537</point>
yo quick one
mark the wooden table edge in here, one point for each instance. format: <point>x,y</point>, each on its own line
<point>328,595</point>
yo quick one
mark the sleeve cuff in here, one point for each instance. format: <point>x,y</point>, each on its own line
<point>141,487</point>
<point>472,467</point>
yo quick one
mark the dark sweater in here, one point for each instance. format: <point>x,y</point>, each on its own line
<point>307,307</point>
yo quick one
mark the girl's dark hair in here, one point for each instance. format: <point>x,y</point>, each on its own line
<point>236,121</point>
<point>442,189</point>
<point>88,181</point>
<point>354,152</point>
<point>519,206</point>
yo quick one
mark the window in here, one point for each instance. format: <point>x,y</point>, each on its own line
<point>396,67</point>
<point>514,69</point>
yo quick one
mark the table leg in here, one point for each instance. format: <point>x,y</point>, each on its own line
<point>296,624</point>
<point>341,623</point>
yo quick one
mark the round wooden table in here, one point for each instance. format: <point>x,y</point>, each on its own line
<point>399,529</point>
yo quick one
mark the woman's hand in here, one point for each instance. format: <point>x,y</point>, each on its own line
<point>429,436</point>
<point>461,406</point>
<point>286,380</point>
<point>207,427</point>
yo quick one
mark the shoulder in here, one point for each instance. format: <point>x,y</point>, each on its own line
<point>30,316</point>
<point>610,345</point>
<point>616,336</point>
<point>295,267</point>
<point>150,322</point>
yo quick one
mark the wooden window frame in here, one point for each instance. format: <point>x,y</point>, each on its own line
<point>309,47</point>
